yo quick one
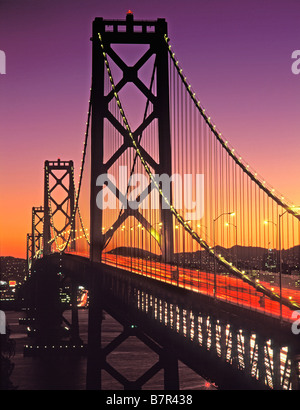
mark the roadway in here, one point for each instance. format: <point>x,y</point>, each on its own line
<point>228,288</point>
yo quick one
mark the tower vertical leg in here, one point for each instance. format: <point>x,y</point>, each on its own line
<point>94,350</point>
<point>72,207</point>
<point>171,373</point>
<point>97,136</point>
<point>163,108</point>
<point>46,232</point>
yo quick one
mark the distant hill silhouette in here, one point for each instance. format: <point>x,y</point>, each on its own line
<point>245,253</point>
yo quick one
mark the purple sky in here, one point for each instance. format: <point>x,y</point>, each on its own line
<point>236,54</point>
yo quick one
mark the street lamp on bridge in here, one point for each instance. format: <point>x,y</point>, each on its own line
<point>275,224</point>
<point>236,250</point>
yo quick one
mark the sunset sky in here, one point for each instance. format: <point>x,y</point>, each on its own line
<point>236,54</point>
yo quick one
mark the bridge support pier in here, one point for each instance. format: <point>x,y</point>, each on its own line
<point>98,360</point>
<point>75,322</point>
<point>45,314</point>
<point>94,348</point>
<point>48,309</point>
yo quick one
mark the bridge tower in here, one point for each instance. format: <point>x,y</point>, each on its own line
<point>28,253</point>
<point>61,173</point>
<point>42,293</point>
<point>129,31</point>
<point>37,231</point>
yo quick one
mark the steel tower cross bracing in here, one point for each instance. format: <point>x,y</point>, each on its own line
<point>129,31</point>
<point>37,231</point>
<point>62,173</point>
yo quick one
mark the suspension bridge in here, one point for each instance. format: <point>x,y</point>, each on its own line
<point>169,229</point>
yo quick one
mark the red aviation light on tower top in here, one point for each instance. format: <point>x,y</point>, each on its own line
<point>129,21</point>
